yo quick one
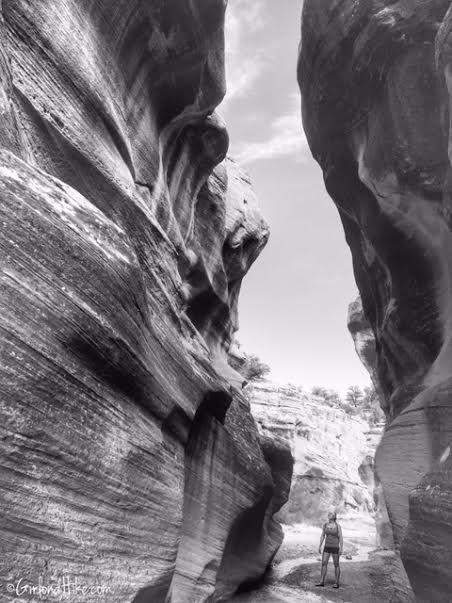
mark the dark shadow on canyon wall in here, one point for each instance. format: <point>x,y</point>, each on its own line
<point>375,80</point>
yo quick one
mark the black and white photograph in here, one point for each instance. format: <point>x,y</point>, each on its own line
<point>225,301</point>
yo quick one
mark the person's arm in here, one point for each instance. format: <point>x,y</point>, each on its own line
<point>322,538</point>
<point>341,540</point>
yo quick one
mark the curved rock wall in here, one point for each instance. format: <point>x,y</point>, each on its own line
<point>129,460</point>
<point>375,80</point>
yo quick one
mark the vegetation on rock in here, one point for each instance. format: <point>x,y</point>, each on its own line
<point>360,402</point>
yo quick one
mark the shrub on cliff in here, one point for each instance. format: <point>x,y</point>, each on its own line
<point>254,369</point>
<point>250,366</point>
<point>350,409</point>
<point>364,403</point>
<point>331,396</point>
<point>371,405</point>
<point>354,396</point>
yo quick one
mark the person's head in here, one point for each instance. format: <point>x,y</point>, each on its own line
<point>331,516</point>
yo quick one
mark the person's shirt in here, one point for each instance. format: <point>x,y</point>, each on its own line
<point>331,535</point>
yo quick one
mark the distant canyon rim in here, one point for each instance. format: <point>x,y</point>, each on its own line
<point>130,455</point>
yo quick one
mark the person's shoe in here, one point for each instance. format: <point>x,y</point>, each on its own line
<point>336,585</point>
<point>320,584</point>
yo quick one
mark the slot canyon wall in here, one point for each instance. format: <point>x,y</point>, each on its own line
<point>333,452</point>
<point>376,84</point>
<point>130,460</point>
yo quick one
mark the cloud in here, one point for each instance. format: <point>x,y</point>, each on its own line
<point>286,138</point>
<point>245,59</point>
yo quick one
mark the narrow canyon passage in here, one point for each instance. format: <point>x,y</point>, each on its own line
<point>368,575</point>
<point>333,455</point>
<point>139,460</point>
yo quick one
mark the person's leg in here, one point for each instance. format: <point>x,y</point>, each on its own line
<point>337,569</point>
<point>325,559</point>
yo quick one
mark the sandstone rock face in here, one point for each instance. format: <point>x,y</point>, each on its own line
<point>333,453</point>
<point>376,85</point>
<point>129,460</point>
<point>364,340</point>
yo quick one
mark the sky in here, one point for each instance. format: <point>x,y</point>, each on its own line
<point>294,300</point>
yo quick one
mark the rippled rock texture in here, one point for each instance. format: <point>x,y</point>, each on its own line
<point>129,459</point>
<point>376,85</point>
<point>333,452</point>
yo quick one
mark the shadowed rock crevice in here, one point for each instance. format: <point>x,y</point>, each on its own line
<point>245,539</point>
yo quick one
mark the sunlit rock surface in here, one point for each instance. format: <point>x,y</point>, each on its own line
<point>364,340</point>
<point>130,461</point>
<point>376,84</point>
<point>333,452</point>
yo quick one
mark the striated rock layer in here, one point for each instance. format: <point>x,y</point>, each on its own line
<point>376,85</point>
<point>333,453</point>
<point>129,459</point>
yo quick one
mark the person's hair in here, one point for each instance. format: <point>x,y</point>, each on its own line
<point>333,513</point>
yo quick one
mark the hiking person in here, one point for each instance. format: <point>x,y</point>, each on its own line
<point>332,534</point>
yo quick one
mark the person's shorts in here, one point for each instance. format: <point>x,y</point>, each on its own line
<point>334,550</point>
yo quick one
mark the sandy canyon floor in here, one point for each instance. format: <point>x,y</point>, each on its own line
<point>369,575</point>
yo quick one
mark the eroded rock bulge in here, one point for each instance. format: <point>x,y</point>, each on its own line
<point>129,461</point>
<point>375,80</point>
